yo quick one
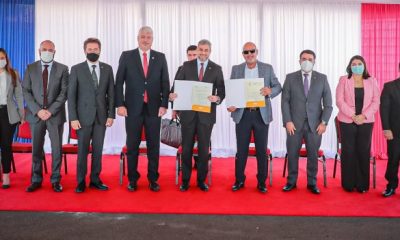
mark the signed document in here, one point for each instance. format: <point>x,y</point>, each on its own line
<point>243,93</point>
<point>200,93</point>
<point>192,95</point>
<point>252,92</point>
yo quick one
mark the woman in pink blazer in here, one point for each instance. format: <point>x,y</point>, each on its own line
<point>357,97</point>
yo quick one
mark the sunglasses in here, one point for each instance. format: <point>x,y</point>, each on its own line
<point>245,52</point>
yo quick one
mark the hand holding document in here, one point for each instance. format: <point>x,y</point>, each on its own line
<point>192,95</point>
<point>244,93</point>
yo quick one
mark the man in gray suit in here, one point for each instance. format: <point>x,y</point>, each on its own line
<point>91,110</point>
<point>306,109</point>
<point>254,120</point>
<point>45,91</point>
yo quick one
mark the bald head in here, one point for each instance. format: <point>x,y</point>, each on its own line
<point>250,54</point>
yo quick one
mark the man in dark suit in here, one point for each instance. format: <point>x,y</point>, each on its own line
<point>91,110</point>
<point>254,120</point>
<point>199,124</point>
<point>45,91</point>
<point>145,75</point>
<point>390,115</point>
<point>191,54</point>
<point>306,109</point>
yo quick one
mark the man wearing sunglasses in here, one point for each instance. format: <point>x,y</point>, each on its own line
<point>253,120</point>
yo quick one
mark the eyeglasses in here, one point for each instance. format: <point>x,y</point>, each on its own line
<point>245,52</point>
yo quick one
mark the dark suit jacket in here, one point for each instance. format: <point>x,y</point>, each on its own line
<point>57,87</point>
<point>177,72</point>
<point>84,101</point>
<point>130,72</point>
<point>213,74</point>
<point>390,107</point>
<point>297,107</point>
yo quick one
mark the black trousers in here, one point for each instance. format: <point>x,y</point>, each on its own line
<point>251,121</point>
<point>95,134</point>
<point>203,133</point>
<point>355,157</point>
<point>392,168</point>
<point>134,126</point>
<point>6,136</point>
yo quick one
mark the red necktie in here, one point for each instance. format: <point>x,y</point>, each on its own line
<point>201,74</point>
<point>45,76</point>
<point>145,69</point>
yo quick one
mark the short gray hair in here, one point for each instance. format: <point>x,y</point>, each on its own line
<point>145,29</point>
<point>204,42</point>
<point>47,41</point>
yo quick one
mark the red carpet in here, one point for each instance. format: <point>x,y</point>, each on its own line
<point>333,201</point>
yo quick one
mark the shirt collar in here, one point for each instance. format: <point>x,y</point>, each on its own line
<point>141,52</point>
<point>199,62</point>
<point>92,63</point>
<point>309,74</point>
<point>255,68</point>
<point>50,64</point>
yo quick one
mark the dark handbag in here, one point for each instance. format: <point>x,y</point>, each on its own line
<point>171,134</point>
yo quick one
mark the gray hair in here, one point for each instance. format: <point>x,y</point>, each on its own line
<point>145,29</point>
<point>47,41</point>
<point>204,42</point>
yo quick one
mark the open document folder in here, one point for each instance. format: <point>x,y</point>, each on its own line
<point>244,93</point>
<point>192,95</point>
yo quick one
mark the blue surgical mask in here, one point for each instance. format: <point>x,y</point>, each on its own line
<point>357,69</point>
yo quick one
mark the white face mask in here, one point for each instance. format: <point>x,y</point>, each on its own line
<point>307,66</point>
<point>46,56</point>
<point>3,63</point>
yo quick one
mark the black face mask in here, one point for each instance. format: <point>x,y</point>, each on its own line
<point>93,57</point>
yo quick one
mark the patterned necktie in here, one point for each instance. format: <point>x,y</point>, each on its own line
<point>145,69</point>
<point>306,84</point>
<point>201,74</point>
<point>94,77</point>
<point>45,77</point>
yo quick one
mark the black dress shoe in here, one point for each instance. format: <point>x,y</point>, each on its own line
<point>203,187</point>
<point>314,189</point>
<point>57,187</point>
<point>388,192</point>
<point>99,186</point>
<point>5,186</point>
<point>184,187</point>
<point>132,186</point>
<point>33,187</point>
<point>237,186</point>
<point>262,188</point>
<point>80,188</point>
<point>288,187</point>
<point>361,190</point>
<point>154,186</point>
